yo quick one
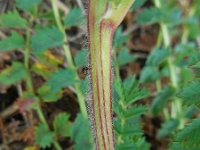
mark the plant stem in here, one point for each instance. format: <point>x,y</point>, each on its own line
<point>30,84</point>
<point>185,27</point>
<point>102,22</point>
<point>69,58</point>
<point>176,104</point>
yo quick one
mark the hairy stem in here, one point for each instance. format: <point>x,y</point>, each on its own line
<point>102,22</point>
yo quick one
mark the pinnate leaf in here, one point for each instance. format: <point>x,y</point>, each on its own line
<point>13,74</point>
<point>74,18</point>
<point>49,37</point>
<point>161,99</point>
<point>150,16</point>
<point>168,127</point>
<point>27,5</point>
<point>81,58</point>
<point>12,19</point>
<point>12,42</point>
<point>119,38</point>
<point>137,4</point>
<point>43,137</point>
<point>61,79</point>
<point>62,125</point>
<point>125,57</point>
<point>157,56</point>
<point>190,134</point>
<point>190,93</point>
<point>149,74</point>
<point>80,129</point>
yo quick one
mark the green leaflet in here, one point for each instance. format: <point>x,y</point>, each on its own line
<point>190,134</point>
<point>154,15</point>
<point>149,74</point>
<point>119,38</point>
<point>137,4</point>
<point>43,136</point>
<point>150,16</point>
<point>161,99</point>
<point>157,56</point>
<point>127,123</point>
<point>127,128</point>
<point>81,129</point>
<point>74,18</point>
<point>27,5</point>
<point>132,92</point>
<point>12,19</point>
<point>61,79</point>
<point>168,127</point>
<point>194,59</point>
<point>190,93</point>
<point>61,125</point>
<point>81,58</point>
<point>125,57</point>
<point>12,42</point>
<point>13,74</point>
<point>49,37</point>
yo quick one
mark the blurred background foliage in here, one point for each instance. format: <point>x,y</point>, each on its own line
<point>44,88</point>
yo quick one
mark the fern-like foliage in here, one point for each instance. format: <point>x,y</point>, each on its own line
<point>127,124</point>
<point>188,137</point>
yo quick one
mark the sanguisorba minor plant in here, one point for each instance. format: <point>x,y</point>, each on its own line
<point>103,18</point>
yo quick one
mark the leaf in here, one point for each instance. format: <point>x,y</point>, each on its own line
<point>81,58</point>
<point>43,137</point>
<point>129,84</point>
<point>49,37</point>
<point>62,125</point>
<point>85,85</point>
<point>168,127</point>
<point>12,42</point>
<point>149,74</point>
<point>12,20</point>
<point>126,146</point>
<point>61,79</point>
<point>190,134</point>
<point>137,4</point>
<point>132,92</point>
<point>161,99</point>
<point>136,95</point>
<point>27,5</point>
<point>119,38</point>
<point>190,93</point>
<point>150,16</point>
<point>127,128</point>
<point>125,57</point>
<point>191,110</point>
<point>194,59</point>
<point>74,18</point>
<point>183,51</point>
<point>13,74</point>
<point>138,144</point>
<point>157,56</point>
<point>135,111</point>
<point>81,129</point>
